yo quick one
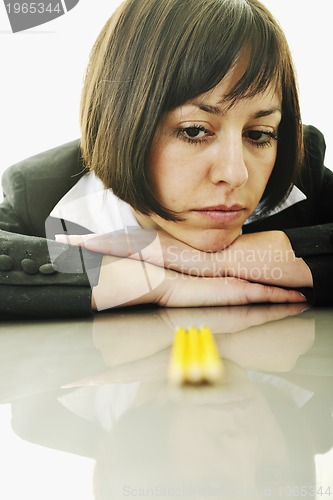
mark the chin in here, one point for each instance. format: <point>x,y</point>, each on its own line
<point>212,242</point>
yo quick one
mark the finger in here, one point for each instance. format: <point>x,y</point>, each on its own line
<point>263,293</point>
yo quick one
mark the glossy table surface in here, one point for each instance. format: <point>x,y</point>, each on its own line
<point>87,411</point>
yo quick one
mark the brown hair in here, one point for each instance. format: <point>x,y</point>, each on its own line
<point>154,55</point>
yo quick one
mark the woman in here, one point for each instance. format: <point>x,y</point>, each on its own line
<point>191,132</point>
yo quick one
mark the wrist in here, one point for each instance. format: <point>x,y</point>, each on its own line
<point>114,288</point>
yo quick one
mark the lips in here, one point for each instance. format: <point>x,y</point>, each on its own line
<point>221,208</point>
<point>221,214</point>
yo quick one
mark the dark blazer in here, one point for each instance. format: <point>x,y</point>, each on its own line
<point>39,277</point>
<point>31,189</point>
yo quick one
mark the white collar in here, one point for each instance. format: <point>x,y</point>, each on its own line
<point>295,196</point>
<point>90,205</point>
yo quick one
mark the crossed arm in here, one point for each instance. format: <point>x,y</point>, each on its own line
<point>259,267</point>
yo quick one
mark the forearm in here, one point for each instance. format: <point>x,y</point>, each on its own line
<point>172,275</point>
<point>267,258</point>
<point>126,282</point>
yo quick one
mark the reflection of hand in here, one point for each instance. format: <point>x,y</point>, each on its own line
<point>274,346</point>
<point>136,345</point>
<point>133,335</point>
<point>229,319</point>
<point>257,337</point>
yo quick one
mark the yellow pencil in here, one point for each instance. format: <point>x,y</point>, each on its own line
<point>178,360</point>
<point>193,369</point>
<point>212,366</point>
<point>194,357</point>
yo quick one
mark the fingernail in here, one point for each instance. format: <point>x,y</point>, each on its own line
<point>302,295</point>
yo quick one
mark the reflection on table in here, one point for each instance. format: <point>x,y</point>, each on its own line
<point>98,388</point>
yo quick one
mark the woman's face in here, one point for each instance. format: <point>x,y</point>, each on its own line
<point>211,162</point>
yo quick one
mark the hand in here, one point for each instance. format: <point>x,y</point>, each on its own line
<point>128,282</point>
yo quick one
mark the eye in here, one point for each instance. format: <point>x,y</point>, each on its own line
<point>261,138</point>
<point>194,134</point>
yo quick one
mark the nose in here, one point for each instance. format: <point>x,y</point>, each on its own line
<point>228,163</point>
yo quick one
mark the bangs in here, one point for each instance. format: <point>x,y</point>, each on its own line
<point>229,31</point>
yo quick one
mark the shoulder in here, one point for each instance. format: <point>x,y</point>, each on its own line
<point>313,172</point>
<point>34,186</point>
<point>58,161</point>
<point>314,143</point>
<point>316,180</point>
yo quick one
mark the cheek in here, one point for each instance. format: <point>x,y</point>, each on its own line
<point>265,175</point>
<point>268,172</point>
<point>169,174</point>
<point>261,172</point>
<point>158,167</point>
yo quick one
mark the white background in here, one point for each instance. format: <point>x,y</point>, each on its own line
<point>42,71</point>
<point>41,78</point>
<point>40,83</point>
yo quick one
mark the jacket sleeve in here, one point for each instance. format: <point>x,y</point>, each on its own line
<point>10,218</point>
<point>314,241</point>
<point>42,278</point>
<point>314,245</point>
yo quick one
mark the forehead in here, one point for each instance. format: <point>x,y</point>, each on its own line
<point>219,96</point>
<point>216,103</point>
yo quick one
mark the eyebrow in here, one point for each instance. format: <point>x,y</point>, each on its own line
<point>215,110</point>
<point>266,112</point>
